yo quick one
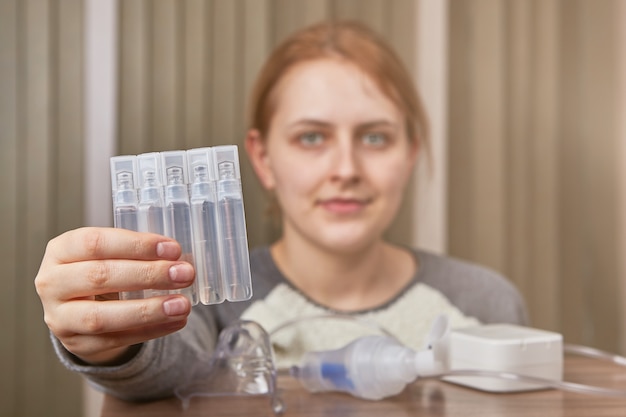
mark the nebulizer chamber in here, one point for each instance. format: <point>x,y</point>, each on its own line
<point>375,366</point>
<point>371,367</point>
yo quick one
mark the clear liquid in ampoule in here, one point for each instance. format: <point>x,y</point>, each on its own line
<point>203,216</point>
<point>151,219</point>
<point>236,266</point>
<point>125,217</point>
<point>178,214</point>
<point>207,252</point>
<point>151,213</point>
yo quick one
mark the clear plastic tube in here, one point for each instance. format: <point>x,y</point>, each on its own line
<point>125,203</point>
<point>232,224</point>
<point>177,210</point>
<point>204,221</point>
<point>335,316</point>
<point>594,353</point>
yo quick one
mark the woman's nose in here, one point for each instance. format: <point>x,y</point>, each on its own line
<point>346,165</point>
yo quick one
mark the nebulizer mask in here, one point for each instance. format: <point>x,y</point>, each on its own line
<point>241,365</point>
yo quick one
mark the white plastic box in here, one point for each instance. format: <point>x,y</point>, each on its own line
<point>505,348</point>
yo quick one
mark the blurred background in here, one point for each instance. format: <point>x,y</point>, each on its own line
<point>528,106</point>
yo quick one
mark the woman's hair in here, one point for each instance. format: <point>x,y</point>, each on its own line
<point>350,41</point>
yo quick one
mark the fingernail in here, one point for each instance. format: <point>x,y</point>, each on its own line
<point>167,249</point>
<point>175,306</point>
<point>181,273</point>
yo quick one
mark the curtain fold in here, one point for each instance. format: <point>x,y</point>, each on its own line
<point>534,151</point>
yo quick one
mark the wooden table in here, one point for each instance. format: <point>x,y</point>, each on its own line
<point>422,398</point>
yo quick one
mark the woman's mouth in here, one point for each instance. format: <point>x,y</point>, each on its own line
<point>343,205</point>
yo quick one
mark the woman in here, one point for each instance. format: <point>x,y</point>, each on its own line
<point>335,131</point>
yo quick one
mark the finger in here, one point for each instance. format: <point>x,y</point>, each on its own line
<point>90,345</point>
<point>110,243</point>
<point>98,277</point>
<point>106,317</point>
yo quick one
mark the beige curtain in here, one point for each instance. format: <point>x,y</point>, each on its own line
<point>535,153</point>
<point>40,192</point>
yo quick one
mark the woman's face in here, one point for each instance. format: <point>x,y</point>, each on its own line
<point>336,155</point>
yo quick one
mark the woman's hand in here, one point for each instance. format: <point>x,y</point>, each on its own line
<point>79,278</point>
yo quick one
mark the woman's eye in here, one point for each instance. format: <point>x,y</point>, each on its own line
<point>374,139</point>
<point>311,138</point>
